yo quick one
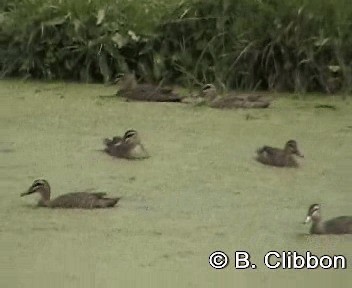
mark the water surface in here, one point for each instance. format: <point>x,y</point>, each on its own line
<point>200,191</point>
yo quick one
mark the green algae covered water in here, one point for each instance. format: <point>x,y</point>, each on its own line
<point>200,192</point>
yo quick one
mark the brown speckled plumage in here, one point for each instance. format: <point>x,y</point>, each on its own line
<point>131,90</point>
<point>279,157</point>
<point>209,93</point>
<point>83,200</point>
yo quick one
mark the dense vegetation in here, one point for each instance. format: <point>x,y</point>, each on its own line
<point>296,45</point>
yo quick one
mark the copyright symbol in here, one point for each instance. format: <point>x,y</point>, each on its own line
<point>218,260</point>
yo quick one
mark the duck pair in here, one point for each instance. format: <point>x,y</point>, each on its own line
<point>85,200</point>
<point>285,158</point>
<point>131,90</point>
<point>129,146</point>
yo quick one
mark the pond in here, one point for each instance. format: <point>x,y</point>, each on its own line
<point>201,190</point>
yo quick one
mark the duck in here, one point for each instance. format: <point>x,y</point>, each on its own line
<point>338,225</point>
<point>129,146</point>
<point>131,90</point>
<point>83,200</point>
<point>279,157</point>
<point>210,95</point>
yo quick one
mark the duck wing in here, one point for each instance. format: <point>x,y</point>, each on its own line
<point>339,225</point>
<point>254,97</point>
<point>111,144</point>
<point>251,101</point>
<point>256,104</point>
<point>269,150</point>
<point>106,202</point>
<point>98,195</point>
<point>226,102</point>
<point>165,90</point>
<point>120,149</point>
<point>84,200</point>
<point>113,141</point>
<point>149,92</point>
<point>127,150</point>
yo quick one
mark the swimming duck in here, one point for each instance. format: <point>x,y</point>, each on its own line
<point>131,90</point>
<point>129,146</point>
<point>209,93</point>
<point>338,225</point>
<point>83,200</point>
<point>279,157</point>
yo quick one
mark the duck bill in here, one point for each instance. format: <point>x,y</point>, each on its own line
<point>24,194</point>
<point>299,154</point>
<point>28,192</point>
<point>308,219</point>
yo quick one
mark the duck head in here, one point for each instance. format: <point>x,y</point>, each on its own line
<point>127,81</point>
<point>292,148</point>
<point>41,186</point>
<point>209,91</point>
<point>313,214</point>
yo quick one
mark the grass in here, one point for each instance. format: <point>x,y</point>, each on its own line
<point>300,45</point>
<point>200,191</point>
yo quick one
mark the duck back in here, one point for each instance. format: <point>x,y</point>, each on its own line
<point>148,92</point>
<point>275,157</point>
<point>83,200</point>
<point>338,225</point>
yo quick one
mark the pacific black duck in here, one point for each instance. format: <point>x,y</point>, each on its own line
<point>279,157</point>
<point>209,93</point>
<point>83,200</point>
<point>131,90</point>
<point>129,146</point>
<point>338,225</point>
